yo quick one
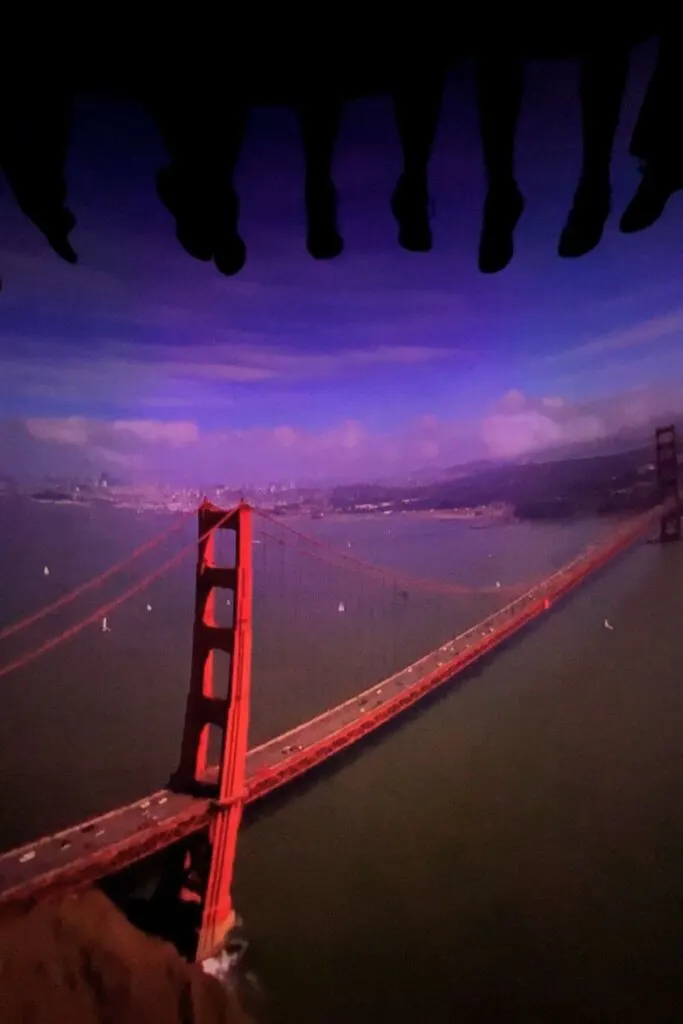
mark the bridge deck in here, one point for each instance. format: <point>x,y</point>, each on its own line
<point>80,855</point>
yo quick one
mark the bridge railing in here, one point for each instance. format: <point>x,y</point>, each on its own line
<point>554,582</point>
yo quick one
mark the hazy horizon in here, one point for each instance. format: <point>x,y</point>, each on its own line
<point>621,441</point>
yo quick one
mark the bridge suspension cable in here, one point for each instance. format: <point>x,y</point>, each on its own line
<point>95,581</point>
<point>369,568</point>
<point>109,606</point>
<point>325,631</point>
<point>404,580</point>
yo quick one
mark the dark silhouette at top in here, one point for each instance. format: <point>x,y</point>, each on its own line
<point>604,68</point>
<point>417,105</point>
<point>658,136</point>
<point>197,187</point>
<point>199,89</point>
<point>33,147</point>
<point>319,118</point>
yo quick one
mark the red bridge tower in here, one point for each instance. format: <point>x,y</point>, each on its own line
<point>667,479</point>
<point>205,868</point>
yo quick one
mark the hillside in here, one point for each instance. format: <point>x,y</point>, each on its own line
<point>78,960</point>
<point>588,485</point>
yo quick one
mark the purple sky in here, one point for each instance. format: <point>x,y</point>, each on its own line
<point>143,360</point>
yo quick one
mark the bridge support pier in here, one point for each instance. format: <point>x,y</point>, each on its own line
<point>667,479</point>
<point>205,877</point>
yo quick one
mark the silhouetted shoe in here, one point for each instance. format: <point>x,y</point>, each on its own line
<point>193,229</point>
<point>56,226</point>
<point>230,252</point>
<point>230,255</point>
<point>323,240</point>
<point>58,237</point>
<point>649,202</point>
<point>503,207</point>
<point>586,220</point>
<point>410,207</point>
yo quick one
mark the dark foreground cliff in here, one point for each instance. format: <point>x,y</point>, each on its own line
<point>78,959</point>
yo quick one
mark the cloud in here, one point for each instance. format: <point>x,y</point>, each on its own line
<point>175,433</point>
<point>79,431</point>
<point>532,430</point>
<point>165,375</point>
<point>512,402</point>
<point>648,332</point>
<point>520,425</point>
<point>70,430</point>
<point>179,451</point>
<point>254,363</point>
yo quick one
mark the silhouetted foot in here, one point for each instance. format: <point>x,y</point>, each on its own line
<point>63,248</point>
<point>586,220</point>
<point>192,219</point>
<point>323,240</point>
<point>503,208</point>
<point>230,252</point>
<point>56,228</point>
<point>54,221</point>
<point>410,207</point>
<point>230,256</point>
<point>652,195</point>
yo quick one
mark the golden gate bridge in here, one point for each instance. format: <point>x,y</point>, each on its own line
<point>195,820</point>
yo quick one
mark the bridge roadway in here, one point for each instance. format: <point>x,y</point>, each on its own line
<point>86,852</point>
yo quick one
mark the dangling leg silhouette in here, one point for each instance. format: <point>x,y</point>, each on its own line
<point>34,138</point>
<point>319,119</point>
<point>499,93</point>
<point>417,105</point>
<point>658,137</point>
<point>203,136</point>
<point>230,252</point>
<point>603,80</point>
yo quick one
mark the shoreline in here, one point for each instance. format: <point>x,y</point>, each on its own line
<point>336,517</point>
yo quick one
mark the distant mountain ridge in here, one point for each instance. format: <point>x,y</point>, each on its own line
<point>619,480</point>
<point>627,439</point>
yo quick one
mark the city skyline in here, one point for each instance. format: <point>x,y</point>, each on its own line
<point>143,362</point>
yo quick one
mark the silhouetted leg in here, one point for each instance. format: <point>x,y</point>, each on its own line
<point>203,138</point>
<point>319,127</point>
<point>417,105</point>
<point>34,138</point>
<point>603,80</point>
<point>230,252</point>
<point>499,88</point>
<point>182,186</point>
<point>658,138</point>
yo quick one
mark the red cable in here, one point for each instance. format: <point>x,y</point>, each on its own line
<point>29,620</point>
<point>145,582</point>
<point>415,582</point>
<point>361,566</point>
<point>104,609</point>
<point>369,567</point>
<point>434,585</point>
